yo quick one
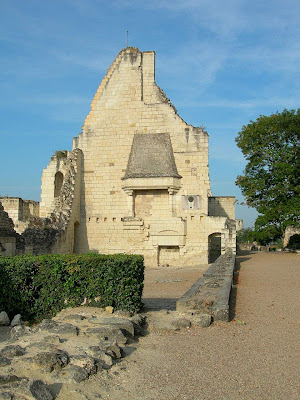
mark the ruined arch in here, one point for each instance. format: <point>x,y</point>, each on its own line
<point>58,182</point>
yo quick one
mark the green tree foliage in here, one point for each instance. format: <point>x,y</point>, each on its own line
<point>271,180</point>
<point>246,235</point>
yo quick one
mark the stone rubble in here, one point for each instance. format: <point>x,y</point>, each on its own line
<point>63,351</point>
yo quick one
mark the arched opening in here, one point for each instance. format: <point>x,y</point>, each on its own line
<point>214,246</point>
<point>58,182</point>
<point>76,237</point>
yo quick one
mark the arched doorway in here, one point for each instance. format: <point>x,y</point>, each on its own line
<point>214,246</point>
<point>58,182</point>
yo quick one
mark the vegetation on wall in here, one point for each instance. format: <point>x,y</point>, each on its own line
<point>271,180</point>
<point>40,286</point>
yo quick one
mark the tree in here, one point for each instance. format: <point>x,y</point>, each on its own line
<point>271,180</point>
<point>246,235</point>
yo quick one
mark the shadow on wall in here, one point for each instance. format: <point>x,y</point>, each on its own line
<point>214,246</point>
<point>158,304</point>
<point>81,244</point>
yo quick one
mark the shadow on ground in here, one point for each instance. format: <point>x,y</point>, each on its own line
<point>240,258</point>
<point>156,304</point>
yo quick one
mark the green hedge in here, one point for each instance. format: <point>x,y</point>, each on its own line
<point>40,286</point>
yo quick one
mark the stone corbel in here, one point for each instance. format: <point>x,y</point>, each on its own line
<point>130,201</point>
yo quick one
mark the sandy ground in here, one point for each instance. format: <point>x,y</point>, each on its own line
<point>255,356</point>
<point>163,286</point>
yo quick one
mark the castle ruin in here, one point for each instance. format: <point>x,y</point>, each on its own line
<point>137,178</point>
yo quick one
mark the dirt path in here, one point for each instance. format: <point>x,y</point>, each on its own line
<point>255,356</point>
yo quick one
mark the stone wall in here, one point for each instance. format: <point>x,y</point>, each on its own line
<point>211,293</point>
<point>118,211</point>
<point>20,211</point>
<point>221,206</point>
<point>289,232</point>
<point>7,234</point>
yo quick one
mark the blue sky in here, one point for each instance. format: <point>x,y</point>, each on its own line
<point>222,63</point>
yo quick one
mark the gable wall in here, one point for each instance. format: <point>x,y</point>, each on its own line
<point>129,103</point>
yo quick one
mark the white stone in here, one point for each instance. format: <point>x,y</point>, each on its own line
<point>17,320</point>
<point>4,320</point>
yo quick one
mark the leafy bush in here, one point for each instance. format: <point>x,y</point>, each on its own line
<point>40,286</point>
<point>294,242</point>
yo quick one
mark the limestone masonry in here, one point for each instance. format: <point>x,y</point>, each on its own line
<point>137,178</point>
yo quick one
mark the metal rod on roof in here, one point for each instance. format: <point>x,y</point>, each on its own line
<point>127,39</point>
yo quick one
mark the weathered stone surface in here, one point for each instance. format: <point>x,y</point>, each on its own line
<point>111,348</point>
<point>73,373</point>
<point>211,293</point>
<point>182,323</point>
<point>19,330</point>
<point>138,324</point>
<point>203,320</point>
<point>12,351</point>
<point>17,320</point>
<point>59,328</point>
<point>4,361</point>
<point>4,320</point>
<point>40,391</point>
<point>103,359</point>
<point>86,362</point>
<point>123,324</point>
<point>5,395</point>
<point>5,379</point>
<point>109,333</point>
<point>49,361</point>
<point>75,317</point>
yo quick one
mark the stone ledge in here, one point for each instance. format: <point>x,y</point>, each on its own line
<point>210,294</point>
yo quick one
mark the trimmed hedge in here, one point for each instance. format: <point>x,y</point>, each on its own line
<point>40,286</point>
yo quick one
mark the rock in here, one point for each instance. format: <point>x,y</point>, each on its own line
<point>124,324</point>
<point>19,330</point>
<point>182,323</point>
<point>4,361</point>
<point>86,362</point>
<point>75,317</point>
<point>17,320</point>
<point>108,333</point>
<point>103,359</point>
<point>109,309</point>
<point>111,348</point>
<point>138,323</point>
<point>203,320</point>
<point>6,396</point>
<point>12,351</point>
<point>61,329</point>
<point>52,360</point>
<point>73,373</point>
<point>40,391</point>
<point>4,320</point>
<point>6,379</point>
<point>161,324</point>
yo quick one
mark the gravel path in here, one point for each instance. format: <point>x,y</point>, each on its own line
<point>255,356</point>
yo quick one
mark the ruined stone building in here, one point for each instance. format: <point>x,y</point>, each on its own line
<point>137,179</point>
<point>20,211</point>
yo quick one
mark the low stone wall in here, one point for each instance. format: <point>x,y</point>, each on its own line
<point>210,294</point>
